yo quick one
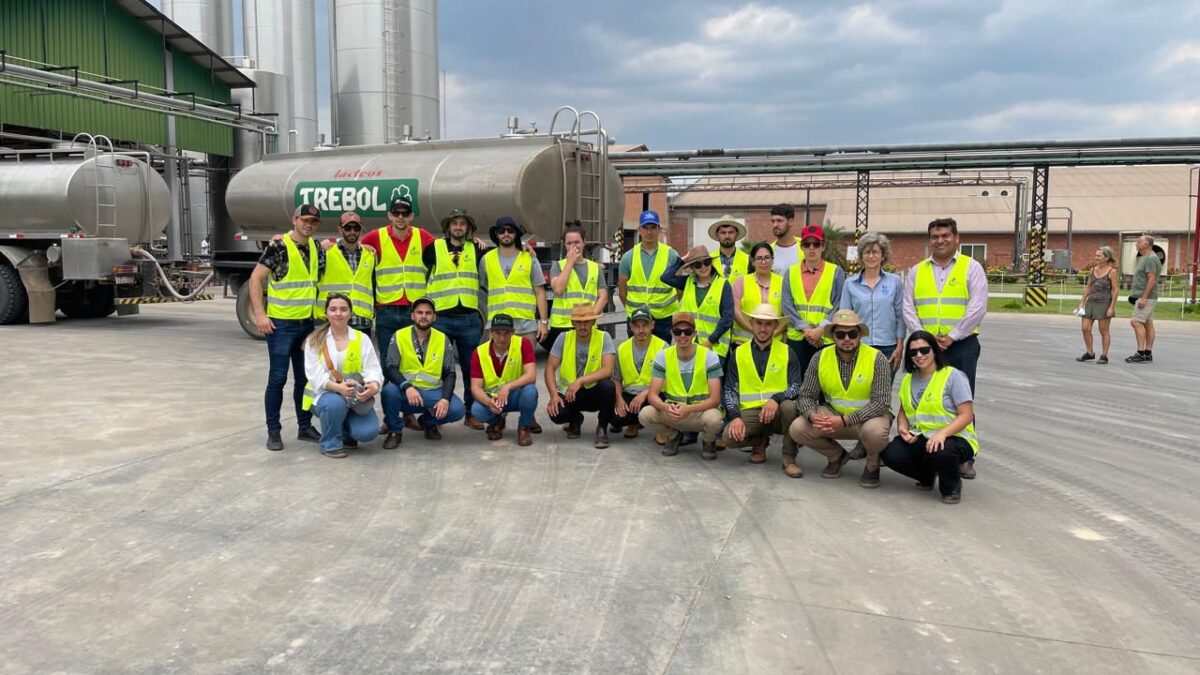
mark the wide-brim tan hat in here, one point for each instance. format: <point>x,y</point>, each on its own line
<point>727,220</point>
<point>583,313</point>
<point>846,318</point>
<point>765,312</point>
<point>698,252</point>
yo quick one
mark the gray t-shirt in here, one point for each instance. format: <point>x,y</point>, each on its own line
<point>1146,265</point>
<point>581,353</point>
<point>639,360</point>
<point>537,279</point>
<point>712,364</point>
<point>957,392</point>
<point>580,269</point>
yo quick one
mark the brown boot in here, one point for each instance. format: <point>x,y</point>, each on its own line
<point>432,433</point>
<point>791,468</point>
<point>535,428</point>
<point>601,436</point>
<point>759,454</point>
<point>708,450</point>
<point>392,441</point>
<point>411,422</point>
<point>574,430</point>
<point>661,439</point>
<point>523,436</point>
<point>631,431</point>
<point>967,469</point>
<point>495,432</point>
<point>473,423</point>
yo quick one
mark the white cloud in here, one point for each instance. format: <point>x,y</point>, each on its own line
<point>869,23</point>
<point>1141,118</point>
<point>753,23</point>
<point>694,60</point>
<point>1188,52</point>
<point>1012,14</point>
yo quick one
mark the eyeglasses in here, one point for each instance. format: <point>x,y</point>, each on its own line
<point>922,351</point>
<point>812,244</point>
<point>702,263</point>
<point>352,227</point>
<point>851,334</point>
<point>683,332</point>
<point>763,258</point>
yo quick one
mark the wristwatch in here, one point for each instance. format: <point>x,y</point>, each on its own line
<point>542,321</point>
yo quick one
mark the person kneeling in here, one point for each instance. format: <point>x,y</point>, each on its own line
<point>503,372</point>
<point>855,381</point>
<point>633,372</point>
<point>343,378</point>
<point>685,390</point>
<point>578,376</point>
<point>936,422</point>
<point>421,377</point>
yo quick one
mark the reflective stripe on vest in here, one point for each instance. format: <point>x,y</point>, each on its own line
<point>649,291</point>
<point>513,368</point>
<point>396,278</point>
<point>512,294</point>
<point>566,369</point>
<point>931,414</point>
<point>847,400</point>
<point>940,312</point>
<point>752,298</point>
<point>814,310</point>
<point>295,295</point>
<point>427,374</point>
<point>339,278</point>
<point>738,267</point>
<point>351,365</point>
<point>633,379</point>
<point>673,388</point>
<point>707,313</point>
<point>586,293</point>
<point>453,285</point>
<point>753,390</point>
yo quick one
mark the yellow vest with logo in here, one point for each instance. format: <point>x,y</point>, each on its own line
<point>295,295</point>
<point>631,376</point>
<point>931,415</point>
<point>351,365</point>
<point>941,312</point>
<point>847,400</point>
<point>453,285</point>
<point>755,391</point>
<point>427,374</point>
<point>394,277</point>
<point>339,278</point>
<point>752,298</point>
<point>513,294</point>
<point>814,310</point>
<point>673,387</point>
<point>566,369</point>
<point>707,313</point>
<point>513,369</point>
<point>737,266</point>
<point>648,290</point>
<point>577,293</point>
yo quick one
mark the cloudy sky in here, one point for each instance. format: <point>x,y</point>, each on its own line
<point>710,73</point>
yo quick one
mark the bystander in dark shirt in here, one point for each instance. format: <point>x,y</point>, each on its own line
<point>449,363</point>
<point>881,388</point>
<point>731,396</point>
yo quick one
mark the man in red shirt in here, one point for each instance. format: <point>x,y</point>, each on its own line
<point>504,385</point>
<point>399,274</point>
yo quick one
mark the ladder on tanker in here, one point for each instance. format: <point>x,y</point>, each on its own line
<point>591,157</point>
<point>104,169</point>
<point>391,68</point>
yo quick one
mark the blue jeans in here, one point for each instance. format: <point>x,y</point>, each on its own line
<point>466,330</point>
<point>338,422</point>
<point>388,320</point>
<point>285,347</point>
<point>523,400</point>
<point>395,403</point>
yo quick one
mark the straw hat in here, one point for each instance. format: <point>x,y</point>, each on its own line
<point>583,313</point>
<point>846,318</point>
<point>698,252</point>
<point>765,312</point>
<point>727,220</point>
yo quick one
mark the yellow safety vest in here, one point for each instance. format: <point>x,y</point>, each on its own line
<point>513,369</point>
<point>396,278</point>
<point>847,400</point>
<point>941,312</point>
<point>339,278</point>
<point>707,313</point>
<point>351,365</point>
<point>814,310</point>
<point>752,298</point>
<point>931,414</point>
<point>295,295</point>
<point>633,378</point>
<point>425,374</point>
<point>452,285</point>
<point>566,369</point>
<point>673,387</point>
<point>737,267</point>
<point>512,295</point>
<point>586,293</point>
<point>753,390</point>
<point>649,291</point>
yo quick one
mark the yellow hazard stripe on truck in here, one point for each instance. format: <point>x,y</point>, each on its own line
<point>155,299</point>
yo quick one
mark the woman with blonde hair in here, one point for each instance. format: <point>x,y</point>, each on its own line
<point>344,376</point>
<point>1099,303</point>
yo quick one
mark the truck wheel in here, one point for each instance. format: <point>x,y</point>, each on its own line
<point>97,303</point>
<point>14,302</point>
<point>245,313</point>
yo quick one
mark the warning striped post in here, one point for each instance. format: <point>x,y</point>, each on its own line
<point>1036,296</point>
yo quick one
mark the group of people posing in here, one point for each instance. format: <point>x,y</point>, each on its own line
<point>726,348</point>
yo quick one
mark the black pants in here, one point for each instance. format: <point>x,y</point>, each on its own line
<point>599,399</point>
<point>964,355</point>
<point>911,460</point>
<point>804,353</point>
<point>630,417</point>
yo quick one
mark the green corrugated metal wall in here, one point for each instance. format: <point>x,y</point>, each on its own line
<point>101,38</point>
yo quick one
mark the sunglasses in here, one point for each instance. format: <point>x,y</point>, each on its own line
<point>352,227</point>
<point>851,334</point>
<point>683,332</point>
<point>922,351</point>
<point>812,244</point>
<point>701,263</point>
<point>402,214</point>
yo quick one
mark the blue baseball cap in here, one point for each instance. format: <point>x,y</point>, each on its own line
<point>648,218</point>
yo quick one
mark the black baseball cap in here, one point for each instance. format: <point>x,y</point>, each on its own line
<point>306,211</point>
<point>423,301</point>
<point>502,322</point>
<point>400,205</point>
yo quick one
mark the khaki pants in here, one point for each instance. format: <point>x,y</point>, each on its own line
<point>873,434</point>
<point>708,423</point>
<point>780,424</point>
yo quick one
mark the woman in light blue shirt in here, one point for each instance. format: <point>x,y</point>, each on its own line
<point>876,297</point>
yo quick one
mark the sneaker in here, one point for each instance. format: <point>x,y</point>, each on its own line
<point>1087,356</point>
<point>953,498</point>
<point>601,440</point>
<point>615,428</point>
<point>308,434</point>
<point>274,441</point>
<point>859,452</point>
<point>392,440</point>
<point>967,469</point>
<point>1147,358</point>
<point>709,451</point>
<point>1135,358</point>
<point>574,430</point>
<point>834,468</point>
<point>335,454</point>
<point>672,448</point>
<point>869,479</point>
<point>432,433</point>
<point>1102,360</point>
<point>349,443</point>
<point>926,487</point>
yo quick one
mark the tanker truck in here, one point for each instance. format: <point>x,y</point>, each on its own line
<point>544,181</point>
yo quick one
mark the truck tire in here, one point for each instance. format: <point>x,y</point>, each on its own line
<point>14,302</point>
<point>97,303</point>
<point>245,313</point>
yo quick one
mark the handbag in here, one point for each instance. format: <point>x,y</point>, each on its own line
<point>360,407</point>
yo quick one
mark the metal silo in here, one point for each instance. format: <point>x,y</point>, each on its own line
<point>384,70</point>
<point>209,21</point>
<point>281,37</point>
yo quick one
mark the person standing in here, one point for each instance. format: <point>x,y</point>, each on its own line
<point>946,295</point>
<point>575,280</point>
<point>579,376</point>
<point>812,291</point>
<point>631,377</point>
<point>706,296</point>
<point>290,267</point>
<point>514,281</point>
<point>1099,303</point>
<point>685,391</point>
<point>503,380</point>
<point>732,262</point>
<point>350,269</point>
<point>760,285</point>
<point>421,377</point>
<point>399,271</point>
<point>1145,291</point>
<point>877,296</point>
<point>639,277</point>
<point>761,386</point>
<point>786,252</point>
<point>453,285</point>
